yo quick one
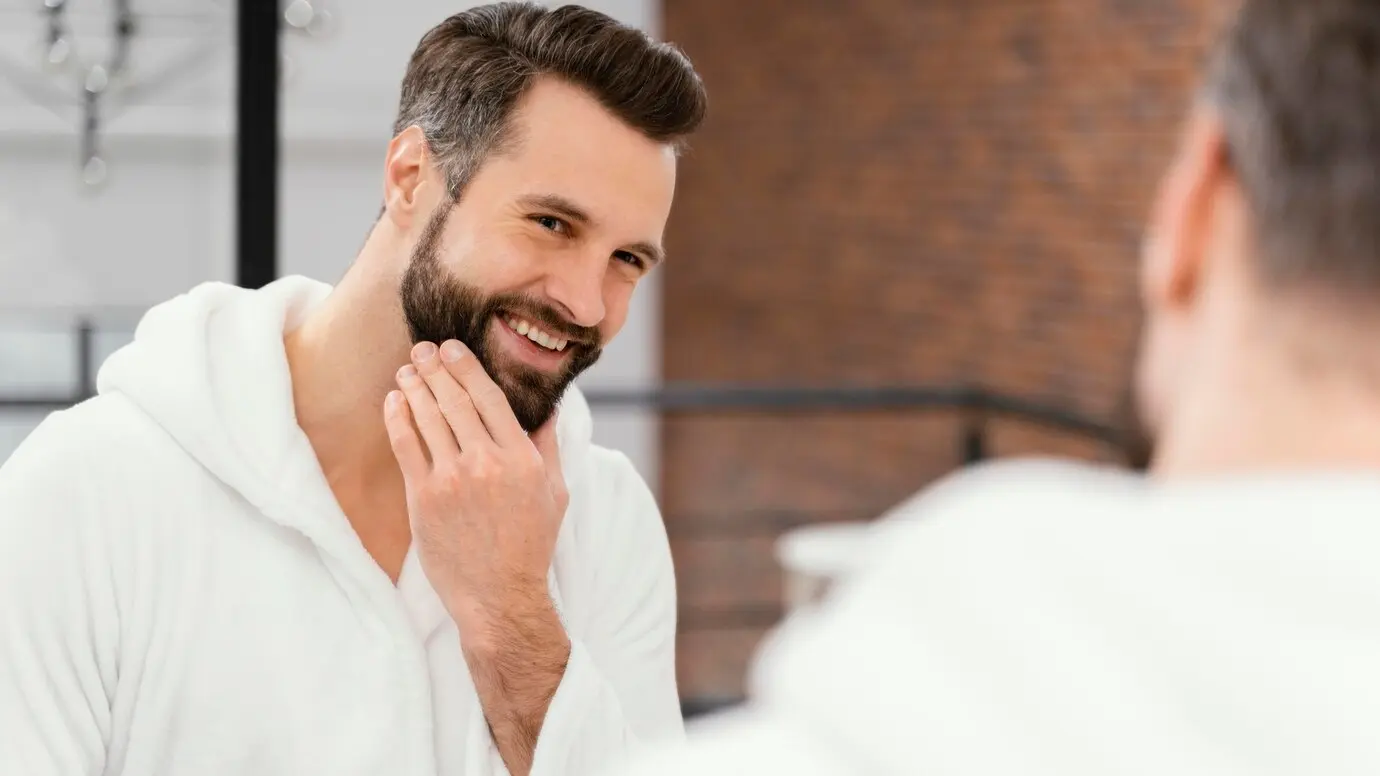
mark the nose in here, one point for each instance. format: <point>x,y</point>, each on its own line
<point>579,288</point>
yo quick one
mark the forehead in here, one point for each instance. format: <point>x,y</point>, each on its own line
<point>565,143</point>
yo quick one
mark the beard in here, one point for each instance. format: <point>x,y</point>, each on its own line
<point>438,306</point>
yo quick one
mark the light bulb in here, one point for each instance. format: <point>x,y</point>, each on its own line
<point>299,14</point>
<point>57,54</point>
<point>94,172</point>
<point>97,79</point>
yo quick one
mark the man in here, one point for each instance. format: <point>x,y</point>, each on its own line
<point>1221,616</point>
<point>348,531</point>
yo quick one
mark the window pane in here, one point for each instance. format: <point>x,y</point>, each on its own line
<point>37,360</point>
<point>14,426</point>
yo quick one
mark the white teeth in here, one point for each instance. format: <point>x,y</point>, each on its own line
<point>531,332</point>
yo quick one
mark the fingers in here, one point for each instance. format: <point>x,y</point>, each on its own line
<point>436,432</point>
<point>454,401</point>
<point>488,398</point>
<point>407,447</point>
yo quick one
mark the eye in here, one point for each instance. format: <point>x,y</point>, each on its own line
<point>631,259</point>
<point>552,223</point>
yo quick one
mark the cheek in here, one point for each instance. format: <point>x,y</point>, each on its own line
<point>504,261</point>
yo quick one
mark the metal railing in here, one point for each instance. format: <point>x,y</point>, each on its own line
<point>978,403</point>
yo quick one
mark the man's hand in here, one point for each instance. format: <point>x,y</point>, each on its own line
<point>485,503</point>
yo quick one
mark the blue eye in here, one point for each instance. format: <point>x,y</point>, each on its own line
<point>551,223</point>
<point>630,258</point>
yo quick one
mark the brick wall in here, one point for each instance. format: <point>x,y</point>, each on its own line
<point>896,192</point>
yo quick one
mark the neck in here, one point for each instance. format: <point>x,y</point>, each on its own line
<point>343,359</point>
<point>1262,414</point>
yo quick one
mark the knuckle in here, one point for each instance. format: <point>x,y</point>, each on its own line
<point>447,478</point>
<point>419,394</point>
<point>428,368</point>
<point>492,393</point>
<point>461,402</point>
<point>425,499</point>
<point>463,366</point>
<point>476,394</point>
<point>482,467</point>
<point>531,458</point>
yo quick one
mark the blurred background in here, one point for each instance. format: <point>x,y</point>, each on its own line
<point>903,243</point>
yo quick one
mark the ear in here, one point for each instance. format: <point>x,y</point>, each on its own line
<point>407,176</point>
<point>1175,252</point>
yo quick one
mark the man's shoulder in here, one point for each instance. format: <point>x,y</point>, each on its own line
<point>1021,488</point>
<point>103,439</point>
<point>108,421</point>
<point>987,515</point>
<point>81,481</point>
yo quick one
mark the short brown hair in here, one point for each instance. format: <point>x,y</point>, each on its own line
<point>469,72</point>
<point>1297,83</point>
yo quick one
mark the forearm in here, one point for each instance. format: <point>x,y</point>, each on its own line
<point>517,654</point>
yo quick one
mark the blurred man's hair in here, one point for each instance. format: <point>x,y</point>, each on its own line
<point>469,72</point>
<point>1297,83</point>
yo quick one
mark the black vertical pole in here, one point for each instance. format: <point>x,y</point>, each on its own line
<point>256,147</point>
<point>973,441</point>
<point>86,360</point>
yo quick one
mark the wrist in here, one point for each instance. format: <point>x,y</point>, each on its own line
<point>487,621</point>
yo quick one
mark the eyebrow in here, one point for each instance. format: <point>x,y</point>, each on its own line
<point>563,207</point>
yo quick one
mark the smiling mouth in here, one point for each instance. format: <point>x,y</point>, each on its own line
<point>533,332</point>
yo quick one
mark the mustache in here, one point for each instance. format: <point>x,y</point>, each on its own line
<point>547,317</point>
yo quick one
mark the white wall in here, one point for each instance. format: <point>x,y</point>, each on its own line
<point>163,222</point>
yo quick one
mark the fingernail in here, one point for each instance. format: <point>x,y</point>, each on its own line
<point>407,373</point>
<point>391,403</point>
<point>423,351</point>
<point>452,350</point>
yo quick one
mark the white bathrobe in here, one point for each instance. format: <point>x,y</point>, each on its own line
<point>181,595</point>
<point>1036,618</point>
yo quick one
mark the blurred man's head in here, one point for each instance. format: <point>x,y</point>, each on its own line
<point>1264,245</point>
<point>530,180</point>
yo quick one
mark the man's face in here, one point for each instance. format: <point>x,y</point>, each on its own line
<point>534,268</point>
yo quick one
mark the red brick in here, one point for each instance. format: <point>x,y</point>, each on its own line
<point>897,192</point>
